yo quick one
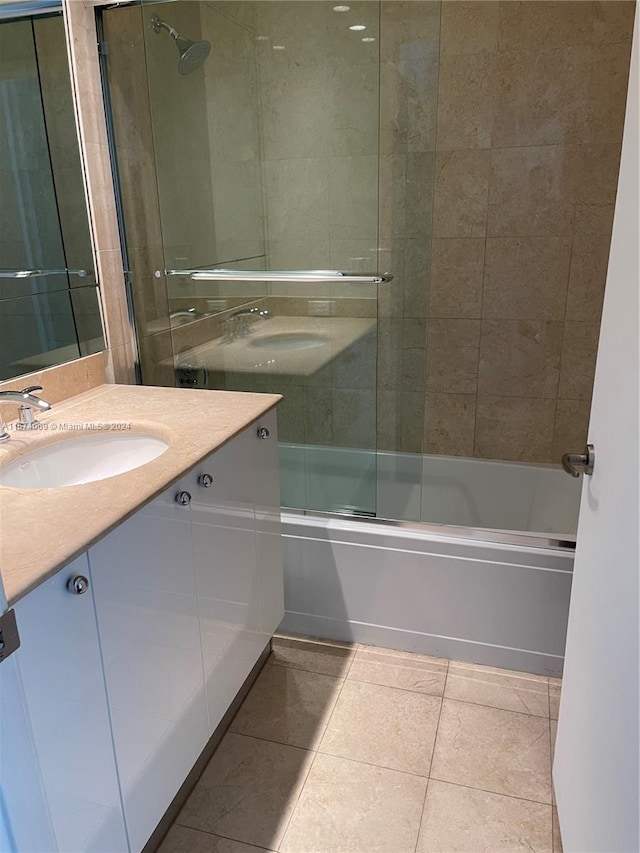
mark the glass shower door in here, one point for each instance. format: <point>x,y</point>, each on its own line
<point>261,121</point>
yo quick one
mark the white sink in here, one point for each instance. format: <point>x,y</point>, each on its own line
<point>290,340</point>
<point>81,459</point>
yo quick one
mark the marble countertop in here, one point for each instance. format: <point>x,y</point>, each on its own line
<point>329,336</point>
<point>41,530</point>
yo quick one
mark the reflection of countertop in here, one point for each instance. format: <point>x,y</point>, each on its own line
<point>241,355</point>
<point>41,530</point>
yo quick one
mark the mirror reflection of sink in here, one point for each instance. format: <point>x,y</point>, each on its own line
<point>81,459</point>
<point>290,341</point>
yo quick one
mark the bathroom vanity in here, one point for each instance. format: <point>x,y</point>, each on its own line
<point>134,655</point>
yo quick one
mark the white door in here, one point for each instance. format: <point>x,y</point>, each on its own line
<point>596,760</point>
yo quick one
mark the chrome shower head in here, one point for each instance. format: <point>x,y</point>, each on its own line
<point>192,53</point>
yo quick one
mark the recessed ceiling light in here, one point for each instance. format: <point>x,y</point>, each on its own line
<point>357,27</point>
<point>279,47</point>
<point>341,8</point>
<point>368,39</point>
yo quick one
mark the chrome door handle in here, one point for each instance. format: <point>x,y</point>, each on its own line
<point>78,585</point>
<point>580,463</point>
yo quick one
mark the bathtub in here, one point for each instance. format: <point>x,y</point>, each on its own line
<point>471,591</point>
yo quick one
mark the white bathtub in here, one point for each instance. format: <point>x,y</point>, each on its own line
<point>451,490</point>
<point>435,590</point>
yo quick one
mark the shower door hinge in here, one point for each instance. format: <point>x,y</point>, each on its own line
<point>103,48</point>
<point>9,637</point>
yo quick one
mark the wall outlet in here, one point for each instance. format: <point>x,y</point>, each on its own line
<point>321,307</point>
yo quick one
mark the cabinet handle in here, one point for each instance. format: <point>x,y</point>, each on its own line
<point>183,498</point>
<point>205,480</point>
<point>263,432</point>
<point>78,584</point>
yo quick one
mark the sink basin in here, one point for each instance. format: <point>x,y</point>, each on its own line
<point>290,341</point>
<point>81,459</point>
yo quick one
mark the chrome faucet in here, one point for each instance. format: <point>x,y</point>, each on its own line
<point>237,326</point>
<point>27,400</point>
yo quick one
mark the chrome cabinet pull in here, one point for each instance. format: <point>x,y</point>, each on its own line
<point>580,463</point>
<point>183,498</point>
<point>205,480</point>
<point>78,584</point>
<point>263,432</point>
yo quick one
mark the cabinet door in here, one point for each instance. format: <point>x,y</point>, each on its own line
<point>224,551</point>
<point>268,527</point>
<point>145,597</point>
<point>59,660</point>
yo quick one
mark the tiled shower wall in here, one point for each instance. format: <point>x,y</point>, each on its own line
<point>492,353</point>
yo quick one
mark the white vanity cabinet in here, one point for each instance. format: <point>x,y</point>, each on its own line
<point>126,682</point>
<point>235,529</point>
<point>145,594</point>
<point>61,671</point>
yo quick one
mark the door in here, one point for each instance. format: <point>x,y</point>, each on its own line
<point>61,668</point>
<point>596,759</point>
<point>145,594</point>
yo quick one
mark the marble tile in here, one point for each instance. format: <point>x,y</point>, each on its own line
<point>499,751</point>
<point>571,427</point>
<point>297,199</point>
<point>453,333</point>
<point>466,98</point>
<point>412,369</point>
<point>383,726</point>
<point>498,688</point>
<point>408,29</point>
<point>595,182</point>
<point>457,266</point>
<point>555,688</point>
<point>587,276</point>
<point>354,418</point>
<point>542,96</point>
<point>612,21</point>
<point>326,658</point>
<point>463,820</point>
<point>353,197</point>
<point>452,370</point>
<point>526,278</point>
<point>460,193</point>
<point>449,424</point>
<point>412,418</point>
<point>408,98</point>
<point>520,358</point>
<point>519,429</point>
<point>345,806</point>
<point>248,791</point>
<point>531,192</point>
<point>578,360</point>
<point>416,275</point>
<point>288,705</point>
<point>608,80</point>
<point>539,26</point>
<point>469,26</point>
<point>181,839</point>
<point>557,838</point>
<point>418,673</point>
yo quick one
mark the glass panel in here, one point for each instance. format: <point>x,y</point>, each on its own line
<point>45,247</point>
<point>266,158</point>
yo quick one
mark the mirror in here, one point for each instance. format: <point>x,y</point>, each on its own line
<point>49,308</point>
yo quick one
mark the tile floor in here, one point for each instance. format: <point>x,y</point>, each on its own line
<point>358,749</point>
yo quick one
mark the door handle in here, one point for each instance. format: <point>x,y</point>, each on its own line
<point>580,463</point>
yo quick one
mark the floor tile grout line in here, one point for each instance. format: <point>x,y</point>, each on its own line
<point>433,752</point>
<point>494,708</point>
<point>495,793</point>
<point>218,835</point>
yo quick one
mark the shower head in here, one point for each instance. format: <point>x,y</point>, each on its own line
<point>192,53</point>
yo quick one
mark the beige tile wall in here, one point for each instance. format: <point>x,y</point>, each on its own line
<point>530,109</point>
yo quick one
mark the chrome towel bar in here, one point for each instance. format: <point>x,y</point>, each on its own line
<point>292,276</point>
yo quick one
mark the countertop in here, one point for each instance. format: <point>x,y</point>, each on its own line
<point>330,336</point>
<point>41,530</point>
